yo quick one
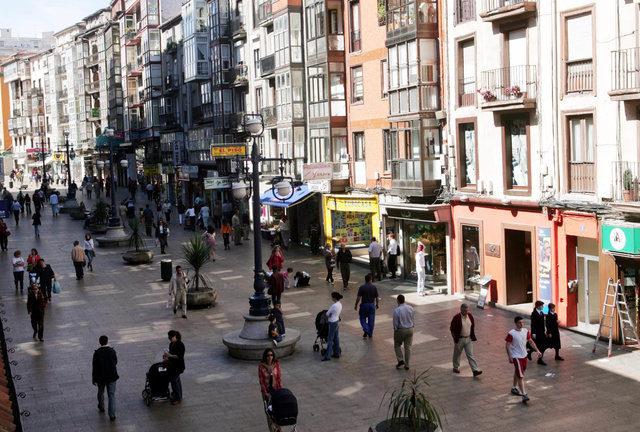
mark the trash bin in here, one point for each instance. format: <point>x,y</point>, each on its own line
<point>165,269</point>
<point>190,223</point>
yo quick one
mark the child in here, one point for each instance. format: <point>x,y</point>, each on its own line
<point>517,340</point>
<point>277,312</point>
<point>301,279</point>
<point>553,334</point>
<point>273,330</point>
<point>287,284</point>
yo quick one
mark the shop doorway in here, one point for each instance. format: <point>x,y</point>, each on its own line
<point>629,273</point>
<point>588,292</point>
<point>518,266</point>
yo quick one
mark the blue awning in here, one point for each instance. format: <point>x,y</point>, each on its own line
<point>299,194</point>
<point>103,141</point>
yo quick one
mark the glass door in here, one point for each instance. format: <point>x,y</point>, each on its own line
<point>589,306</point>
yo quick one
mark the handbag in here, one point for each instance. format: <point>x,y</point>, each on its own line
<point>56,287</point>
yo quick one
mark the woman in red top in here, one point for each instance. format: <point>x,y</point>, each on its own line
<point>33,259</point>
<point>269,373</point>
<point>276,258</point>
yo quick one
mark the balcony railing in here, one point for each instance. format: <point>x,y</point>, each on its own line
<point>579,76</point>
<point>582,177</point>
<point>267,65</point>
<point>61,70</point>
<point>237,28</point>
<point>625,70</point>
<point>465,10</point>
<point>269,115</point>
<point>493,8</point>
<point>93,87</point>
<point>264,12</point>
<point>93,59</point>
<point>335,42</point>
<point>64,118</point>
<point>505,84</point>
<point>626,184</point>
<point>467,91</point>
<point>61,94</point>
<point>240,75</point>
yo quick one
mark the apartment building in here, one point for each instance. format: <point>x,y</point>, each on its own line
<point>11,45</point>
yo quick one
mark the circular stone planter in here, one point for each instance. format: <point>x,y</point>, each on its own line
<point>204,297</point>
<point>138,257</point>
<point>401,425</point>
<point>98,229</point>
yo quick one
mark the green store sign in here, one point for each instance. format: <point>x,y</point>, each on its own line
<point>621,239</point>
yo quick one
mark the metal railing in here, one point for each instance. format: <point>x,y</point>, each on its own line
<point>61,70</point>
<point>93,59</point>
<point>267,65</point>
<point>582,177</point>
<point>509,83</point>
<point>467,91</point>
<point>579,76</point>
<point>488,6</point>
<point>240,76</point>
<point>63,118</point>
<point>269,115</point>
<point>626,185</point>
<point>625,69</point>
<point>61,94</point>
<point>405,169</point>
<point>465,10</point>
<point>93,86</point>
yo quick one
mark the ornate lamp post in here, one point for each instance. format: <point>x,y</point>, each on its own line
<point>114,220</point>
<point>70,155</point>
<point>44,157</point>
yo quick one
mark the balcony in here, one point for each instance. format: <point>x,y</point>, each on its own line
<point>579,76</point>
<point>355,41</point>
<point>237,28</point>
<point>133,101</point>
<point>267,65</point>
<point>264,13</point>
<point>131,37</point>
<point>92,87</point>
<point>240,76</point>
<point>408,178</point>
<point>626,185</point>
<point>63,119</point>
<point>132,69</point>
<point>465,10</point>
<point>505,10</point>
<point>625,74</point>
<point>269,116</point>
<point>171,82</point>
<point>402,24</point>
<point>61,70</point>
<point>510,88</point>
<point>582,177</point>
<point>92,60</point>
<point>61,94</point>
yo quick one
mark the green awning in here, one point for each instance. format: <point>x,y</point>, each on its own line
<point>103,141</point>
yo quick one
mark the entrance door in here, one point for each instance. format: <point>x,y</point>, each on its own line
<point>588,293</point>
<point>518,266</point>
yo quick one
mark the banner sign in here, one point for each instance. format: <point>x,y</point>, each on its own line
<point>544,266</point>
<point>321,171</point>
<point>352,205</point>
<point>323,186</point>
<point>227,151</point>
<point>217,183</point>
<point>177,160</point>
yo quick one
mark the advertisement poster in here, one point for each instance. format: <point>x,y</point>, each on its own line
<point>544,266</point>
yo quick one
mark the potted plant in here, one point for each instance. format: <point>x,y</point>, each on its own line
<point>627,184</point>
<point>408,407</point>
<point>139,255</point>
<point>200,293</point>
<point>382,12</point>
<point>514,91</point>
<point>100,216</point>
<point>487,95</point>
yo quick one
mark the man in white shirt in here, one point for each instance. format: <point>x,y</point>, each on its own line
<point>402,332</point>
<point>392,254</point>
<point>517,340</point>
<point>375,253</point>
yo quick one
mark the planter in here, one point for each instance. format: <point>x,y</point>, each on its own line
<point>97,229</point>
<point>401,425</point>
<point>626,195</point>
<point>138,257</point>
<point>204,297</point>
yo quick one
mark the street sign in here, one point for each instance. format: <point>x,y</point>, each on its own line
<point>217,183</point>
<point>58,156</point>
<point>227,151</point>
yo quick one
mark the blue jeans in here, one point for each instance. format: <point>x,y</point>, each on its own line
<point>37,229</point>
<point>89,254</point>
<point>333,340</point>
<point>367,317</point>
<point>176,387</point>
<point>111,394</point>
<point>54,210</point>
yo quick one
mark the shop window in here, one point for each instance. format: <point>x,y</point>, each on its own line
<point>351,227</point>
<point>433,238</point>
<point>471,256</point>
<point>467,146</point>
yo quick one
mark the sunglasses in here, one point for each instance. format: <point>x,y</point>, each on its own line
<point>269,355</point>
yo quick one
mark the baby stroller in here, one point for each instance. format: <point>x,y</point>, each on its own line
<point>281,410</point>
<point>156,387</point>
<point>322,329</point>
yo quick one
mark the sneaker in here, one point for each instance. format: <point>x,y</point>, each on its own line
<point>400,364</point>
<point>525,398</point>
<point>515,391</point>
<point>406,367</point>
<point>175,311</point>
<point>325,359</point>
<point>477,372</point>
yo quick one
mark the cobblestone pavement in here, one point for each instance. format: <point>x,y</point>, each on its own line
<point>585,392</point>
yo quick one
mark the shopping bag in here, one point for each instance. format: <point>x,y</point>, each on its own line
<point>56,287</point>
<point>170,302</point>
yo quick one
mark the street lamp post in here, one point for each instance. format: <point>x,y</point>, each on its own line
<point>70,155</point>
<point>114,220</point>
<point>44,156</point>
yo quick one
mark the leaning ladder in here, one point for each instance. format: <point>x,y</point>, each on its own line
<point>615,299</point>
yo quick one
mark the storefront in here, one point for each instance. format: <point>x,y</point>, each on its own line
<point>351,219</point>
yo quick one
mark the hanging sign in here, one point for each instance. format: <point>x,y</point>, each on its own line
<point>58,156</point>
<point>217,183</point>
<point>227,151</point>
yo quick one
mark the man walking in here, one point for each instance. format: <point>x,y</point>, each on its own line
<point>47,276</point>
<point>516,346</point>
<point>15,209</point>
<point>236,225</point>
<point>54,201</point>
<point>147,215</point>
<point>178,289</point>
<point>402,332</point>
<point>36,305</point>
<point>463,333</point>
<point>368,294</point>
<point>78,257</point>
<point>392,254</point>
<point>105,374</point>
<point>343,261</point>
<point>375,252</point>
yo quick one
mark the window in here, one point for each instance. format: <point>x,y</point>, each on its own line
<point>357,85</point>
<point>317,145</point>
<point>516,154</point>
<point>579,53</point>
<point>582,174</point>
<point>283,97</point>
<point>465,10</point>
<point>358,144</point>
<point>318,106</point>
<point>390,139</point>
<point>466,72</point>
<point>384,85</point>
<point>355,26</point>
<point>338,102</point>
<point>256,62</point>
<point>339,143</point>
<point>281,40</point>
<point>468,151</point>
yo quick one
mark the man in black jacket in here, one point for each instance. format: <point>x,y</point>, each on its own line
<point>105,374</point>
<point>343,261</point>
<point>538,332</point>
<point>46,276</point>
<point>36,305</point>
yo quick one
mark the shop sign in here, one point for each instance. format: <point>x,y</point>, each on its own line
<point>621,239</point>
<point>321,171</point>
<point>352,205</point>
<point>177,160</point>
<point>182,176</point>
<point>418,215</point>
<point>323,186</point>
<point>492,250</point>
<point>151,170</point>
<point>228,151</point>
<point>192,170</point>
<point>217,183</point>
<point>167,169</point>
<point>58,156</point>
<point>544,266</point>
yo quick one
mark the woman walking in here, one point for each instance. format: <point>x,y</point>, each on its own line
<point>162,234</point>
<point>33,259</point>
<point>329,262</point>
<point>333,316</point>
<point>553,333</point>
<point>166,209</point>
<point>226,233</point>
<point>210,238</point>
<point>175,357</point>
<point>4,234</point>
<point>18,269</point>
<point>27,203</point>
<point>269,373</point>
<point>37,221</point>
<point>89,250</point>
<point>276,258</point>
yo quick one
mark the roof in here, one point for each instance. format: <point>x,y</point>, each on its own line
<point>171,22</point>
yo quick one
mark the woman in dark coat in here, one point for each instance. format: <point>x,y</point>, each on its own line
<point>553,333</point>
<point>175,357</point>
<point>538,333</point>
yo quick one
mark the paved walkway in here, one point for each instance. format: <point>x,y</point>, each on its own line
<point>585,392</point>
